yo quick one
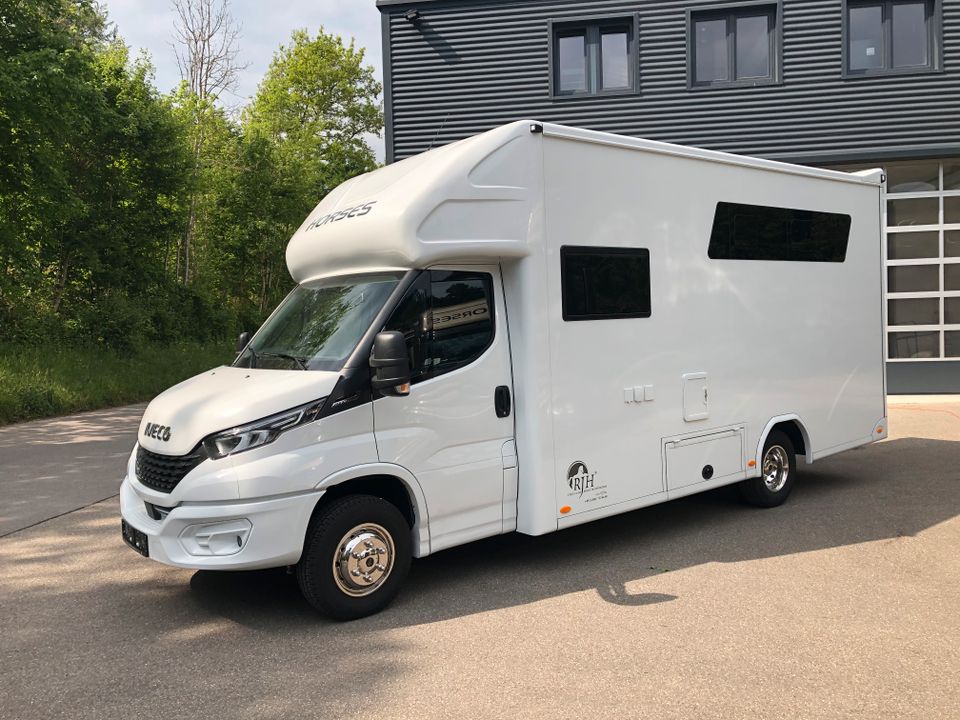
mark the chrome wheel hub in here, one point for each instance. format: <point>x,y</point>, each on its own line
<point>363,560</point>
<point>776,468</point>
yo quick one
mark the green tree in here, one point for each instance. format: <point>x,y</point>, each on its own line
<point>317,102</point>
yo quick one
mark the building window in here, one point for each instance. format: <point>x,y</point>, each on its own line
<point>890,36</point>
<point>736,45</point>
<point>758,232</point>
<point>597,56</point>
<point>603,283</point>
<point>923,258</point>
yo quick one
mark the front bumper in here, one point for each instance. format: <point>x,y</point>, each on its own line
<point>238,535</point>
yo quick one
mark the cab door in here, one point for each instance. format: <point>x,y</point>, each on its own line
<point>451,430</point>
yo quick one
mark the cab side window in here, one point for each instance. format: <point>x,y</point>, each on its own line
<point>447,320</point>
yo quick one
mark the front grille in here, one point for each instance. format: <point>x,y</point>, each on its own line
<point>164,472</point>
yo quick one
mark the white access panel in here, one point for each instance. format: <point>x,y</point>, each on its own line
<point>704,457</point>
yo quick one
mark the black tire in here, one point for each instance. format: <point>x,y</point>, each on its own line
<point>756,491</point>
<point>383,526</point>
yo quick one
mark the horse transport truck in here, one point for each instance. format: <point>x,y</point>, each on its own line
<point>525,330</point>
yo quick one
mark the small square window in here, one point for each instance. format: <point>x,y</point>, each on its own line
<point>890,36</point>
<point>594,56</point>
<point>604,283</point>
<point>738,46</point>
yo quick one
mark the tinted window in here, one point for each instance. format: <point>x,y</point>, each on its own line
<point>753,46</point>
<point>886,35</point>
<point>572,62</point>
<point>605,283</point>
<point>594,56</point>
<point>910,34</point>
<point>757,232</point>
<point>447,320</point>
<point>735,45</point>
<point>711,50</point>
<point>866,37</point>
<point>615,60</point>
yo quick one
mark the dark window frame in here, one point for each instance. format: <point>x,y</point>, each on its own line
<point>726,248</point>
<point>592,27</point>
<point>568,250</point>
<point>934,41</point>
<point>731,11</point>
<point>427,277</point>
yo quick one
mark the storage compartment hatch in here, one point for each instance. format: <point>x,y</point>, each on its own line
<point>702,458</point>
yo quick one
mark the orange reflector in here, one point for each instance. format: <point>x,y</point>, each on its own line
<point>565,509</point>
<point>879,428</point>
<point>751,463</point>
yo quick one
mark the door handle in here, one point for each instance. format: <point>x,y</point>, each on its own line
<point>501,401</point>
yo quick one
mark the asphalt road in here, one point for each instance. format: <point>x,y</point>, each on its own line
<point>844,603</point>
<point>50,467</point>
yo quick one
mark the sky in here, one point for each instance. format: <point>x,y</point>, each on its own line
<point>265,25</point>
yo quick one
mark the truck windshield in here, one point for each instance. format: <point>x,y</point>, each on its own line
<point>319,324</point>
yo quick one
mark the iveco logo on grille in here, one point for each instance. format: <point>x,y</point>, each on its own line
<point>157,431</point>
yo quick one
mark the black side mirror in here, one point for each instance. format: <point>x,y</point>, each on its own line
<point>391,366</point>
<point>242,341</point>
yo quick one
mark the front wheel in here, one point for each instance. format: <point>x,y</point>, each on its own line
<point>777,470</point>
<point>355,557</point>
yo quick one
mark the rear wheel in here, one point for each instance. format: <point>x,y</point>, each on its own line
<point>777,471</point>
<point>355,557</point>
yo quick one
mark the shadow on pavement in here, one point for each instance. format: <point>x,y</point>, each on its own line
<point>891,489</point>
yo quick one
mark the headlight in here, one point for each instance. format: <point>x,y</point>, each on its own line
<point>260,432</point>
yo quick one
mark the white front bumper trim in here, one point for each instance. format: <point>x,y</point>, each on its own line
<point>236,535</point>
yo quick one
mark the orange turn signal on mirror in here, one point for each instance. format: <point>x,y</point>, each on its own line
<point>565,509</point>
<point>751,463</point>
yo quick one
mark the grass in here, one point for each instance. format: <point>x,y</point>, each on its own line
<point>46,381</point>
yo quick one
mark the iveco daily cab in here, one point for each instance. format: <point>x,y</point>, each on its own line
<point>523,331</point>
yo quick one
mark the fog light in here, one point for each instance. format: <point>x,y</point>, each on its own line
<point>219,538</point>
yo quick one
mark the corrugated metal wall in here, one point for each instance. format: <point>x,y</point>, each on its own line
<point>469,65</point>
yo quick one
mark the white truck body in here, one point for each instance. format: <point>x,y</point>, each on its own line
<point>606,415</point>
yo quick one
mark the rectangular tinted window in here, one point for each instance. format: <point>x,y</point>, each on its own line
<point>951,209</point>
<point>951,277</point>
<point>866,37</point>
<point>572,61</point>
<point>910,245</point>
<point>890,35</point>
<point>614,59</point>
<point>913,278</point>
<point>951,243</point>
<point>594,56</point>
<point>951,310</point>
<point>913,311</point>
<point>951,343</point>
<point>710,51</point>
<point>910,176</point>
<point>910,34</point>
<point>753,46</point>
<point>605,283</point>
<point>914,344</point>
<point>913,211</point>
<point>757,232</point>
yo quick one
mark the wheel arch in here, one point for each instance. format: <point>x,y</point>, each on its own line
<point>793,427</point>
<point>393,483</point>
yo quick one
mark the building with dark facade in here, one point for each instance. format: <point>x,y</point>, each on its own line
<point>840,83</point>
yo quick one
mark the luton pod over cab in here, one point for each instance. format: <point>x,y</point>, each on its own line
<point>522,331</point>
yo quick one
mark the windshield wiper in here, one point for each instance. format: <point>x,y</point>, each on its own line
<point>283,356</point>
